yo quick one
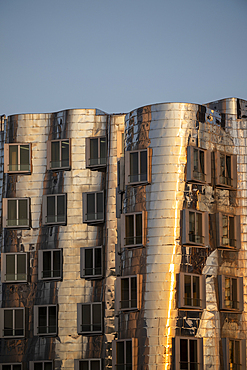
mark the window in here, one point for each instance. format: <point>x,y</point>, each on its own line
<point>228,231</point>
<point>13,366</point>
<point>125,354</point>
<point>50,264</point>
<point>45,320</point>
<point>14,267</point>
<point>138,167</point>
<point>191,291</point>
<point>17,158</point>
<point>230,293</point>
<point>91,262</point>
<point>12,322</point>
<point>188,353</point>
<point>16,212</point>
<point>128,293</point>
<point>133,229</point>
<point>96,152</point>
<point>195,227</point>
<point>89,318</point>
<point>93,207</point>
<point>40,365</point>
<point>226,170</point>
<point>198,165</point>
<point>89,364</point>
<point>54,209</point>
<point>234,354</point>
<point>58,154</point>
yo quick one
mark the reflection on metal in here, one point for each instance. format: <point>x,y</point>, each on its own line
<point>167,129</point>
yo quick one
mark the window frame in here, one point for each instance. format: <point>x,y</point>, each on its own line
<point>233,179</point>
<point>44,210</point>
<point>32,363</point>
<point>127,167</point>
<point>89,360</point>
<point>5,213</point>
<point>2,322</point>
<point>181,292</point>
<point>6,157</point>
<point>185,228</point>
<point>225,350</point>
<point>191,177</point>
<point>40,264</point>
<point>99,165</point>
<point>79,319</point>
<point>237,230</point>
<point>134,342</point>
<point>57,168</point>
<point>83,259</point>
<point>123,230</point>
<point>4,267</point>
<point>222,296</point>
<point>85,202</point>
<point>36,320</point>
<point>11,364</point>
<point>138,297</point>
<point>176,351</point>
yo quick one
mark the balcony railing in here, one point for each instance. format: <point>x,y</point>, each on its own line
<point>51,329</point>
<point>51,274</point>
<point>10,332</point>
<point>133,240</point>
<point>189,365</point>
<point>138,177</point>
<point>128,304</point>
<point>97,161</point>
<point>95,216</point>
<point>231,305</point>
<point>17,222</point>
<point>193,302</point>
<point>64,163</point>
<point>200,176</point>
<point>90,328</point>
<point>229,242</point>
<point>19,167</point>
<point>55,219</point>
<point>92,271</point>
<point>194,238</point>
<point>16,277</point>
<point>225,180</point>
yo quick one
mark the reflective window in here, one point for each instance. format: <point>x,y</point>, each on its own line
<point>133,229</point>
<point>129,293</point>
<point>13,322</point>
<point>50,266</point>
<point>91,262</point>
<point>18,158</point>
<point>96,152</point>
<point>41,365</point>
<point>138,167</point>
<point>93,207</point>
<point>54,208</point>
<point>89,364</point>
<point>90,318</point>
<point>60,154</point>
<point>16,212</point>
<point>124,355</point>
<point>45,319</point>
<point>14,267</point>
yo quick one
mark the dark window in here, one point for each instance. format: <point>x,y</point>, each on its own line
<point>89,364</point>
<point>132,228</point>
<point>41,365</point>
<point>14,267</point>
<point>18,158</point>
<point>137,166</point>
<point>228,231</point>
<point>45,320</point>
<point>54,207</point>
<point>16,212</point>
<point>188,354</point>
<point>50,264</point>
<point>60,154</point>
<point>195,228</point>
<point>96,152</point>
<point>231,293</point>
<point>191,291</point>
<point>234,354</point>
<point>89,318</point>
<point>13,322</point>
<point>93,207</point>
<point>11,366</point>
<point>129,293</point>
<point>125,354</point>
<point>198,165</point>
<point>226,170</point>
<point>91,262</point>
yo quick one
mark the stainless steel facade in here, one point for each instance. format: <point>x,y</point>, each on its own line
<point>168,130</point>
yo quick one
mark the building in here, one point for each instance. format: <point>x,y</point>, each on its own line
<point>124,238</point>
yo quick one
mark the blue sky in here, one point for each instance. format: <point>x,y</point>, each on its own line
<point>118,55</point>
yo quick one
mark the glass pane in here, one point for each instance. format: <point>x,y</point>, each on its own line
<point>129,230</point>
<point>51,209</point>
<point>42,320</point>
<point>198,231</point>
<point>8,367</point>
<point>225,234</point>
<point>196,291</point>
<point>47,264</point>
<point>37,366</point>
<point>196,162</point>
<point>21,266</point>
<point>65,153</point>
<point>84,365</point>
<point>8,323</point>
<point>12,212</point>
<point>237,353</point>
<point>55,156</point>
<point>91,207</point>
<point>52,319</point>
<point>129,355</point>
<point>22,212</point>
<point>184,354</point>
<point>202,162</point>
<point>134,292</point>
<point>48,366</point>
<point>134,167</point>
<point>10,267</point>
<point>13,158</point>
<point>93,160</point>
<point>100,206</point>
<point>228,303</point>
<point>86,318</point>
<point>222,167</point>
<point>232,238</point>
<point>97,310</point>
<point>19,322</point>
<point>95,365</point>
<point>103,150</point>
<point>56,264</point>
<point>98,261</point>
<point>192,228</point>
<point>24,158</point>
<point>228,167</point>
<point>60,208</point>
<point>138,228</point>
<point>235,303</point>
<point>16,367</point>
<point>125,293</point>
<point>193,354</point>
<point>88,262</point>
<point>231,353</point>
<point>120,354</point>
<point>143,165</point>
<point>187,290</point>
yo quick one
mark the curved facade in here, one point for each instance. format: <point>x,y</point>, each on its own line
<point>135,252</point>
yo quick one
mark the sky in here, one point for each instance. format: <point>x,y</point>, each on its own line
<point>120,55</point>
